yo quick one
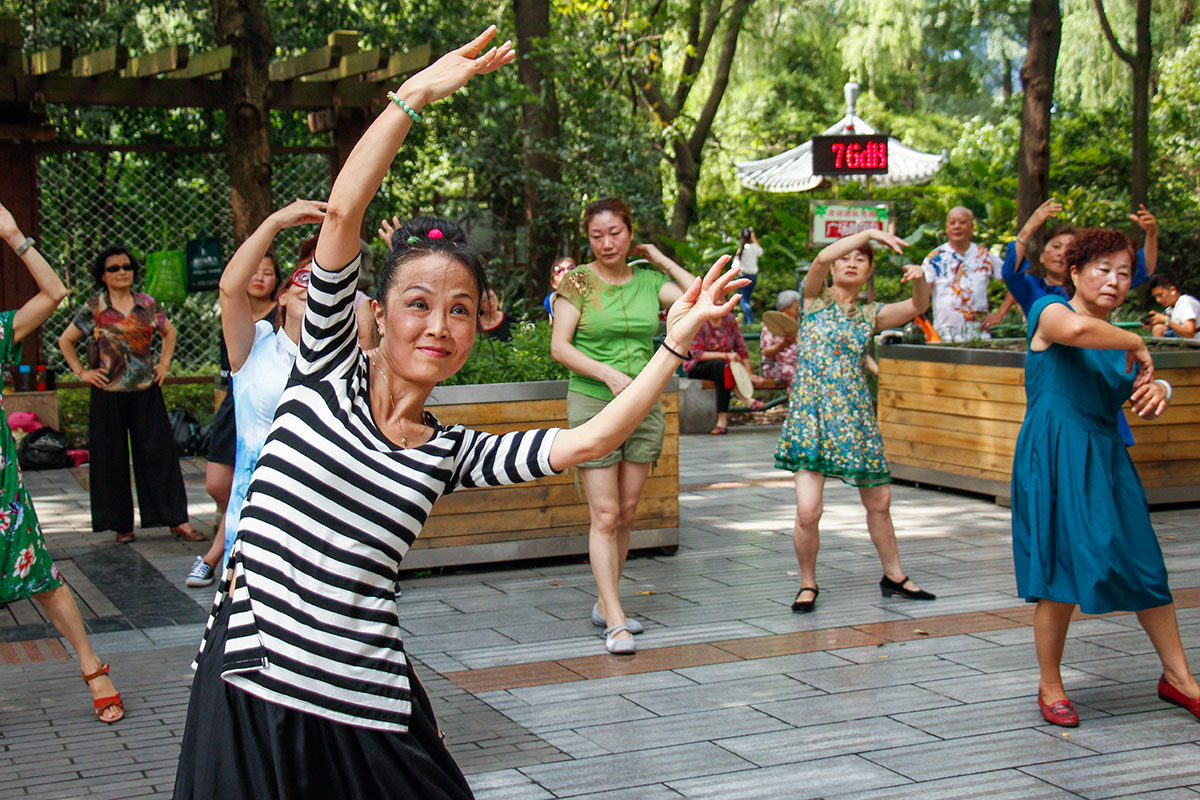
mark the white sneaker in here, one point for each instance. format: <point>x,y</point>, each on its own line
<point>201,574</point>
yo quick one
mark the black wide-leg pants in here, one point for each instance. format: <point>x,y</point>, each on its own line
<point>239,747</point>
<point>122,424</point>
<point>713,371</point>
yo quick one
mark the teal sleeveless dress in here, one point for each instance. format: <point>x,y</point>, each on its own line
<point>1080,522</point>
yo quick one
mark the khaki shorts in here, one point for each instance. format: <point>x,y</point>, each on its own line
<point>643,446</point>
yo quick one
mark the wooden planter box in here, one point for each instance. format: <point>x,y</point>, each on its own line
<point>950,417</point>
<point>543,518</point>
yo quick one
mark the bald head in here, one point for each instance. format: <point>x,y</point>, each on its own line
<point>960,227</point>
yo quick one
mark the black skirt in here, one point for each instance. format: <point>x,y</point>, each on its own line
<point>238,746</point>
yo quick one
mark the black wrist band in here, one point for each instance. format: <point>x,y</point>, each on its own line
<point>669,349</point>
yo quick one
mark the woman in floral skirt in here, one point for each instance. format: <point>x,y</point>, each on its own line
<point>830,427</point>
<point>28,570</point>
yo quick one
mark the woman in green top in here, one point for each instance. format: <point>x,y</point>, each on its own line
<point>27,569</point>
<point>605,319</point>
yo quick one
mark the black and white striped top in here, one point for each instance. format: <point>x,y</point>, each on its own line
<point>333,507</point>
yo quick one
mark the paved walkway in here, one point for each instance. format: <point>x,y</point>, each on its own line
<point>730,696</point>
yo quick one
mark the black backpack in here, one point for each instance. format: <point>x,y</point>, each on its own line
<point>45,448</point>
<point>185,429</point>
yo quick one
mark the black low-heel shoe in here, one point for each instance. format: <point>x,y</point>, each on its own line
<point>804,606</point>
<point>889,587</point>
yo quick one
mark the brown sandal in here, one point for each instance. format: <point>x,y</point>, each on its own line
<point>125,538</point>
<point>188,534</point>
<point>103,703</point>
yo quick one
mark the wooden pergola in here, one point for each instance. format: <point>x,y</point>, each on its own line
<point>339,84</point>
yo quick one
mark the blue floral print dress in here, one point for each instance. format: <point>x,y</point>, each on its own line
<point>26,566</point>
<point>830,426</point>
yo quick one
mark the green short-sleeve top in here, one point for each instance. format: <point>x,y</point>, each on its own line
<point>617,322</point>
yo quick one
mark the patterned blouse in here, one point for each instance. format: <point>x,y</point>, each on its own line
<point>124,343</point>
<point>726,337</point>
<point>783,366</point>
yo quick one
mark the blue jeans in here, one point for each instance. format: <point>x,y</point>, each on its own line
<point>745,292</point>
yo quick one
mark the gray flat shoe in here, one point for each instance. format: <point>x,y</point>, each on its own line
<point>620,647</point>
<point>632,624</point>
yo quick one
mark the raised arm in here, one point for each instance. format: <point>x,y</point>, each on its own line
<point>819,271</point>
<point>237,319</point>
<point>1036,220</point>
<point>894,315</point>
<point>51,290</point>
<point>361,175</point>
<point>1149,253</point>
<point>703,301</point>
<point>680,277</point>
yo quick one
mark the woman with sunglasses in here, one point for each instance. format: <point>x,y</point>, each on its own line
<point>261,351</point>
<point>127,414</point>
<point>557,270</point>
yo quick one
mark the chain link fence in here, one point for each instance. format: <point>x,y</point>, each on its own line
<point>148,201</point>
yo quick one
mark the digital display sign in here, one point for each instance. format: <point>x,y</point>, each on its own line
<point>850,155</point>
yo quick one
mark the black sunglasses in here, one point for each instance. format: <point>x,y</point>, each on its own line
<point>119,267</point>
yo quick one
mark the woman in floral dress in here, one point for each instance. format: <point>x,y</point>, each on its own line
<point>830,428</point>
<point>27,570</point>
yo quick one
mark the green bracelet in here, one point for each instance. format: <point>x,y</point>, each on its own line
<point>398,100</point>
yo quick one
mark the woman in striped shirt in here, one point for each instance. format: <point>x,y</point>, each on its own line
<point>302,686</point>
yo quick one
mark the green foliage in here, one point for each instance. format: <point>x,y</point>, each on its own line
<point>525,357</point>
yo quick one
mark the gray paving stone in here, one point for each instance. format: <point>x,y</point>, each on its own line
<point>1115,734</point>
<point>757,667</point>
<point>706,697</point>
<point>630,770</point>
<point>656,792</point>
<point>1077,651</point>
<point>881,673</point>
<point>821,741</point>
<point>576,714</point>
<point>1008,784</point>
<point>1015,683</point>
<point>1165,794</point>
<point>988,717</point>
<point>976,754</point>
<point>680,729</point>
<point>507,784</point>
<point>855,705</point>
<point>1117,774</point>
<point>940,645</point>
<point>809,779</point>
<point>601,687</point>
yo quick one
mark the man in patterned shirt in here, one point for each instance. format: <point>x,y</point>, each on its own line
<point>959,272</point>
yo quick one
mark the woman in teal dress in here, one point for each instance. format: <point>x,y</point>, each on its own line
<point>27,569</point>
<point>830,428</point>
<point>1081,527</point>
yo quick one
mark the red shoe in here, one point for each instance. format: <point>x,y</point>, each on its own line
<point>1169,694</point>
<point>1060,713</point>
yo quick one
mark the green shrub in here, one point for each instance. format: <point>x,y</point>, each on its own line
<point>526,357</point>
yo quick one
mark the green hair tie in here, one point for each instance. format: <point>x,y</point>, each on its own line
<point>414,239</point>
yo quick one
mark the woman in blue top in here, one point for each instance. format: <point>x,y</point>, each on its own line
<point>1027,287</point>
<point>261,355</point>
<point>1081,529</point>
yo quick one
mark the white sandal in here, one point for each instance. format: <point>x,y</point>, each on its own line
<point>620,647</point>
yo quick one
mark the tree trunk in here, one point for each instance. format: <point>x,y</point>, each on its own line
<point>1139,62</point>
<point>689,153</point>
<point>540,129</point>
<point>245,25</point>
<point>1037,81</point>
